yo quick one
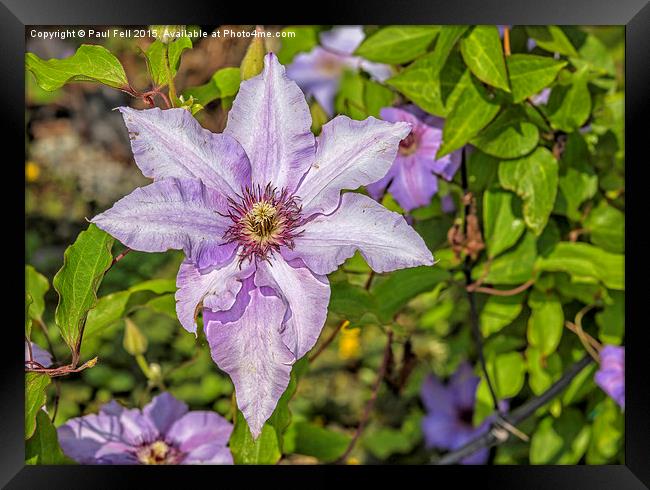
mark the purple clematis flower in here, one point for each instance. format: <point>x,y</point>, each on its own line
<point>164,432</point>
<point>318,72</point>
<point>412,179</point>
<point>259,213</point>
<point>448,424</point>
<point>39,355</point>
<point>611,375</point>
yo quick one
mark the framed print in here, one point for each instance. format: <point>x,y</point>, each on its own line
<point>393,235</point>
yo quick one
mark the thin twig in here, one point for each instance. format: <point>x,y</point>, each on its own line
<point>368,283</point>
<point>329,340</point>
<point>495,435</point>
<point>118,258</point>
<point>501,292</point>
<point>506,40</point>
<point>35,367</point>
<point>373,397</point>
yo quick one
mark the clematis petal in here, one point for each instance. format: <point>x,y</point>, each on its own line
<point>196,429</point>
<point>95,439</point>
<point>463,385</point>
<point>437,398</point>
<point>306,295</point>
<point>209,454</point>
<point>164,410</point>
<point>414,184</point>
<point>172,214</point>
<point>271,120</point>
<point>215,289</point>
<point>384,238</point>
<point>251,351</point>
<point>40,355</point>
<point>343,39</point>
<point>172,143</point>
<point>439,430</point>
<point>349,154</point>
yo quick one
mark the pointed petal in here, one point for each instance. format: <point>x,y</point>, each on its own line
<point>172,143</point>
<point>384,238</point>
<point>306,296</point>
<point>436,397</point>
<point>209,454</point>
<point>216,289</point>
<point>271,120</point>
<point>171,214</point>
<point>251,351</point>
<point>349,154</point>
<point>164,410</point>
<point>343,39</point>
<point>463,385</point>
<point>414,184</point>
<point>198,428</point>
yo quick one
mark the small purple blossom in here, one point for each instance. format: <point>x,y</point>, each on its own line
<point>611,375</point>
<point>39,355</point>
<point>318,72</point>
<point>448,423</point>
<point>542,97</point>
<point>413,178</point>
<point>259,213</point>
<point>164,432</point>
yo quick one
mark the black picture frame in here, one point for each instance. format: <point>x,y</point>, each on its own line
<point>15,15</point>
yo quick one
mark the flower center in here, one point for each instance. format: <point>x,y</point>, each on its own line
<point>158,452</point>
<point>263,220</point>
<point>408,145</point>
<point>466,415</point>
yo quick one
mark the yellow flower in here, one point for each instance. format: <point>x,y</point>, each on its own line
<point>32,171</point>
<point>349,343</point>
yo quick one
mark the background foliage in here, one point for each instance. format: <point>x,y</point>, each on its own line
<point>547,187</point>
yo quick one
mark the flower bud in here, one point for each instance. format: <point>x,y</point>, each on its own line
<point>167,34</point>
<point>318,117</point>
<point>135,343</point>
<point>253,62</point>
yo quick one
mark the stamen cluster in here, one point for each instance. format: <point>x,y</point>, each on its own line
<point>264,219</point>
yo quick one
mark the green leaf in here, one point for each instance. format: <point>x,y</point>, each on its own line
<point>502,220</point>
<point>569,106</point>
<point>156,59</point>
<point>376,97</point>
<point>107,311</point>
<point>84,265</point>
<point>158,286</point>
<point>611,321</point>
<point>607,435</point>
<point>164,304</point>
<point>543,370</point>
<point>560,441</point>
<point>606,226</point>
<point>483,54</point>
<point>311,440</point>
<point>552,38</point>
<point>392,293</point>
<point>436,80</point>
<point>264,450</point>
<point>305,39</point>
<point>36,285</point>
<point>43,447</point>
<point>585,263</point>
<point>349,301</point>
<point>578,180</point>
<point>513,267</point>
<point>222,85</point>
<point>90,63</point>
<point>481,171</point>
<point>507,371</point>
<point>546,322</point>
<point>499,312</point>
<point>397,44</point>
<point>35,397</point>
<point>473,111</point>
<point>510,135</point>
<point>593,54</point>
<point>349,99</point>
<point>534,178</point>
<point>530,73</point>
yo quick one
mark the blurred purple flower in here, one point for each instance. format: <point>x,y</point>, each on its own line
<point>448,424</point>
<point>542,97</point>
<point>164,432</point>
<point>611,375</point>
<point>39,355</point>
<point>412,179</point>
<point>318,72</point>
<point>259,213</point>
